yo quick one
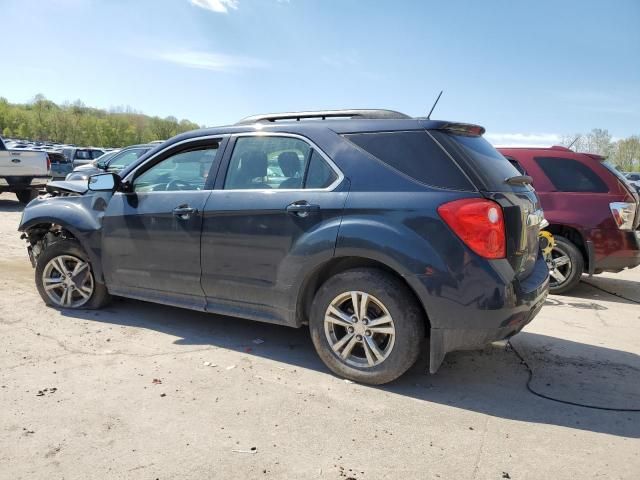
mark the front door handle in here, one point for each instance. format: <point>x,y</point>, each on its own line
<point>184,212</point>
<point>302,208</point>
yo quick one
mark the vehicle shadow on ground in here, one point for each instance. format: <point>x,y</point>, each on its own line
<point>607,287</point>
<point>492,381</point>
<point>10,205</point>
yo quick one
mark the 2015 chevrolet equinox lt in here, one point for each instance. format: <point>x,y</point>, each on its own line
<point>384,233</point>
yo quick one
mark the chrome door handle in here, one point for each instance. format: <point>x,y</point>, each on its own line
<point>184,211</point>
<point>302,209</point>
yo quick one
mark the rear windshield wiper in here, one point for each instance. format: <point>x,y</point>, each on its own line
<point>519,180</point>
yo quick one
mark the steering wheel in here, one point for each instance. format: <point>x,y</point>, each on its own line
<point>177,185</point>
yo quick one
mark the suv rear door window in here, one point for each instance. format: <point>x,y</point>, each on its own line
<point>415,154</point>
<point>568,175</point>
<point>285,163</point>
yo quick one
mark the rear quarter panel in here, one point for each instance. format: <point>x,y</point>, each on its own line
<point>403,231</point>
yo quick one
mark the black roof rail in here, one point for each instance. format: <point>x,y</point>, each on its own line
<point>324,114</point>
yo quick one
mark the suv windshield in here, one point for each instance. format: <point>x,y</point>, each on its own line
<point>126,157</point>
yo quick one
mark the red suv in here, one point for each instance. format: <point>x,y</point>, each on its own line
<point>592,211</point>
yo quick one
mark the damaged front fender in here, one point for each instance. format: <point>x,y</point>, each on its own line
<point>79,215</point>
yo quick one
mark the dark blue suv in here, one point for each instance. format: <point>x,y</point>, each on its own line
<point>385,234</point>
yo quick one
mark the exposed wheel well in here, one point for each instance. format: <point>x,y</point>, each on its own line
<point>575,237</point>
<point>337,265</point>
<point>38,232</point>
<point>43,234</point>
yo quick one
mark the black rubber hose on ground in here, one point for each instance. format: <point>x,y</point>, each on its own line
<point>566,402</point>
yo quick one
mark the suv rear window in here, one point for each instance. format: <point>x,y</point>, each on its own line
<point>568,175</point>
<point>487,164</point>
<point>415,154</point>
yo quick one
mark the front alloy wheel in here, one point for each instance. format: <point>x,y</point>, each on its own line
<point>359,329</point>
<point>68,281</point>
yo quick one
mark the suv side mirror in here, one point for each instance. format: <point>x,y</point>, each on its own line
<point>103,182</point>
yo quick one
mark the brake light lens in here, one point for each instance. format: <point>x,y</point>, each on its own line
<point>624,213</point>
<point>479,223</point>
<point>48,163</point>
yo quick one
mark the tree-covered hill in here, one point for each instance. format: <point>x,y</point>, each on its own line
<point>42,119</point>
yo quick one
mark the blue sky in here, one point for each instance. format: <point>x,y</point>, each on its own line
<point>527,71</point>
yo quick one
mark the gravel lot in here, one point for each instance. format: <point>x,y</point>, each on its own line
<point>141,391</point>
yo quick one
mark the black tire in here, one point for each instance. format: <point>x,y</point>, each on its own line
<point>99,296</point>
<point>25,196</point>
<point>573,274</point>
<point>407,315</point>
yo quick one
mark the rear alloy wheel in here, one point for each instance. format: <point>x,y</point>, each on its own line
<point>566,266</point>
<point>366,326</point>
<point>65,279</point>
<point>360,329</point>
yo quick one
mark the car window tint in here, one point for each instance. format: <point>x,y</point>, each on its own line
<point>83,154</point>
<point>96,153</point>
<point>187,170</point>
<point>414,154</point>
<point>265,162</point>
<point>568,175</point>
<point>319,173</point>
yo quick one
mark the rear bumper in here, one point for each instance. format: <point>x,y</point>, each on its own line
<point>17,184</point>
<point>495,309</point>
<point>616,250</point>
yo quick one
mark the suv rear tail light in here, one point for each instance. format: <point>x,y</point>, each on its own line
<point>479,223</point>
<point>48,163</point>
<point>624,213</point>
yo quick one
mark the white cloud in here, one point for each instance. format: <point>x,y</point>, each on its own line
<point>210,61</point>
<point>523,139</point>
<point>219,6</point>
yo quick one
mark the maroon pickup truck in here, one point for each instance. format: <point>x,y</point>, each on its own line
<point>592,210</point>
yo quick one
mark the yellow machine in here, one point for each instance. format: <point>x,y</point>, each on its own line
<point>546,244</point>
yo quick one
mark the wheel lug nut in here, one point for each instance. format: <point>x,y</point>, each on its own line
<point>358,337</point>
<point>368,333</point>
<point>350,329</point>
<point>365,321</point>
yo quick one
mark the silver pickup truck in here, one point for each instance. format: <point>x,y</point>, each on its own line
<point>23,172</point>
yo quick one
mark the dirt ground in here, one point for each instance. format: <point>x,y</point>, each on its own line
<point>141,391</point>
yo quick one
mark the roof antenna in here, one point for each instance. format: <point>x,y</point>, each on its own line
<point>574,141</point>
<point>434,105</point>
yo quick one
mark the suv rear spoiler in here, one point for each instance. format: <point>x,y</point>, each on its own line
<point>468,129</point>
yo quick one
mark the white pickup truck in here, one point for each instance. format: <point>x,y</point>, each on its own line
<point>23,172</point>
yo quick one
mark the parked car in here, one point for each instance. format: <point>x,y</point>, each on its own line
<point>61,166</point>
<point>634,179</point>
<point>389,232</point>
<point>592,211</point>
<point>114,161</point>
<point>23,172</point>
<point>82,156</point>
